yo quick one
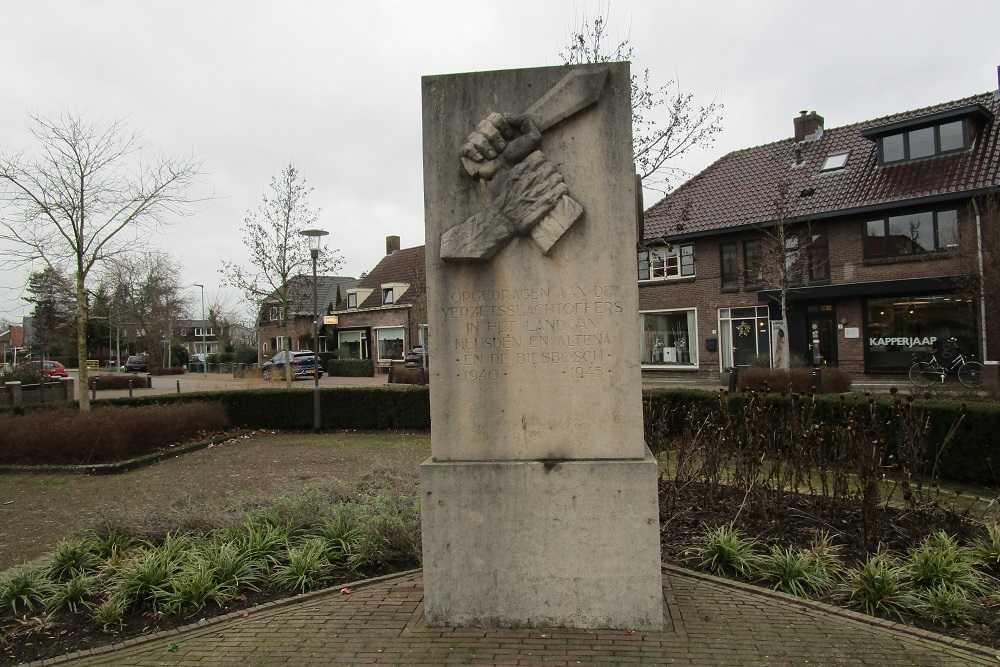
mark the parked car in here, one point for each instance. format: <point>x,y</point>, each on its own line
<point>54,369</point>
<point>303,363</point>
<point>46,368</point>
<point>416,358</point>
<point>136,364</point>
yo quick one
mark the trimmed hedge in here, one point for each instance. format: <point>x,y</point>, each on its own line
<point>341,407</point>
<point>972,456</point>
<point>351,368</point>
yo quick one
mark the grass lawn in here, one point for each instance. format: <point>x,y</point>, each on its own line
<point>37,511</point>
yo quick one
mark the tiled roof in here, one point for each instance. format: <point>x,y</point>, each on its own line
<point>300,292</point>
<point>743,187</point>
<point>403,266</point>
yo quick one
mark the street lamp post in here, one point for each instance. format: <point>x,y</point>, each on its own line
<point>204,345</point>
<point>315,236</point>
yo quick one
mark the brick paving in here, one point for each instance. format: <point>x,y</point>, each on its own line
<point>708,621</point>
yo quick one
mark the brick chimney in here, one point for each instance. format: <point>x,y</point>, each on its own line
<point>808,126</point>
<point>391,245</point>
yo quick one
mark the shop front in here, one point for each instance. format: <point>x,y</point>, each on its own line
<point>896,328</point>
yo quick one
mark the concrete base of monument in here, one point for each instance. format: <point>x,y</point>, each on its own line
<point>541,544</point>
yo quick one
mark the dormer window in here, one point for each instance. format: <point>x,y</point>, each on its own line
<point>835,162</point>
<point>941,133</point>
<point>387,297</point>
<point>352,299</point>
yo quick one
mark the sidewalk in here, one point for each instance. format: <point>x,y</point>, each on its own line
<point>708,622</point>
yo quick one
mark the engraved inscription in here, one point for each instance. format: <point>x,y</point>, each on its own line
<point>565,328</point>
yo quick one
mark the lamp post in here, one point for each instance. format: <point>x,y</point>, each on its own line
<point>204,345</point>
<point>314,237</point>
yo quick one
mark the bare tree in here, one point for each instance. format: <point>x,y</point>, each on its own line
<point>655,143</point>
<point>85,192</point>
<point>279,254</point>
<point>978,254</point>
<point>148,291</point>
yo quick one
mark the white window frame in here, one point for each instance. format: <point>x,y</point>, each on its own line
<point>387,296</point>
<point>352,300</point>
<point>378,342</point>
<point>666,262</point>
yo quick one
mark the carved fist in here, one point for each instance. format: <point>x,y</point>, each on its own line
<point>499,142</point>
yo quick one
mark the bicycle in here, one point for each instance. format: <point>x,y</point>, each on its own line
<point>926,373</point>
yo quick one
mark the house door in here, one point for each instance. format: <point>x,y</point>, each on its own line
<point>744,338</point>
<point>821,328</point>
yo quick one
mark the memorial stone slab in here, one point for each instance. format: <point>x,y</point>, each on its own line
<point>538,505</point>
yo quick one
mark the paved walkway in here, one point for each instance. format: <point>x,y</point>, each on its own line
<point>708,621</point>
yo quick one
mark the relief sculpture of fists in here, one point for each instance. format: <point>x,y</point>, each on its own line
<point>526,193</point>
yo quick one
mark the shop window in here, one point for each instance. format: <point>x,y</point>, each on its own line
<point>728,266</point>
<point>390,343</point>
<point>911,233</point>
<point>352,344</point>
<point>666,262</point>
<point>669,338</point>
<point>897,328</point>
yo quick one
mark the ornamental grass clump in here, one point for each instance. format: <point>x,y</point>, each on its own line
<point>726,550</point>
<point>24,589</point>
<point>986,549</point>
<point>796,571</point>
<point>305,567</point>
<point>79,591</point>
<point>72,558</point>
<point>940,560</point>
<point>879,585</point>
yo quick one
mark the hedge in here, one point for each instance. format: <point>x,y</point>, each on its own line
<point>973,455</point>
<point>351,368</point>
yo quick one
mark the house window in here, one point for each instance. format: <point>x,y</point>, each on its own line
<point>666,262</point>
<point>274,313</point>
<point>793,261</point>
<point>819,257</point>
<point>390,343</point>
<point>729,269</point>
<point>753,262</point>
<point>279,343</point>
<point>387,299</point>
<point>668,338</point>
<point>924,142</point>
<point>200,331</point>
<point>835,162</point>
<point>352,300</point>
<point>911,233</point>
<point>352,344</point>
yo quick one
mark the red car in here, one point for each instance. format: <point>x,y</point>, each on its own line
<point>54,369</point>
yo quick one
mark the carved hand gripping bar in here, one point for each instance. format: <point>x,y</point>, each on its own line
<point>527,195</point>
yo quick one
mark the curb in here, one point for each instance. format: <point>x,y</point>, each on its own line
<point>120,466</point>
<point>834,610</point>
<point>207,623</point>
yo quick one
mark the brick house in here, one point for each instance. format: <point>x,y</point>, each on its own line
<point>199,337</point>
<point>386,313</point>
<point>875,225</point>
<point>271,335</point>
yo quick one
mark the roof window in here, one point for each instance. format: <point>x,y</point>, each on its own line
<point>835,162</point>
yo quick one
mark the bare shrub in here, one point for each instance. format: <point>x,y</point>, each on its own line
<point>833,380</point>
<point>104,435</point>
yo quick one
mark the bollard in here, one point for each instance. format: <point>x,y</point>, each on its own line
<point>130,387</point>
<point>817,380</point>
<point>732,380</point>
<point>178,386</point>
<point>93,395</point>
<point>41,390</point>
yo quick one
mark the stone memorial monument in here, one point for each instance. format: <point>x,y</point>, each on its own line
<point>538,504</point>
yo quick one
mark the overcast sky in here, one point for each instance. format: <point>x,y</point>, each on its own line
<point>335,87</point>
